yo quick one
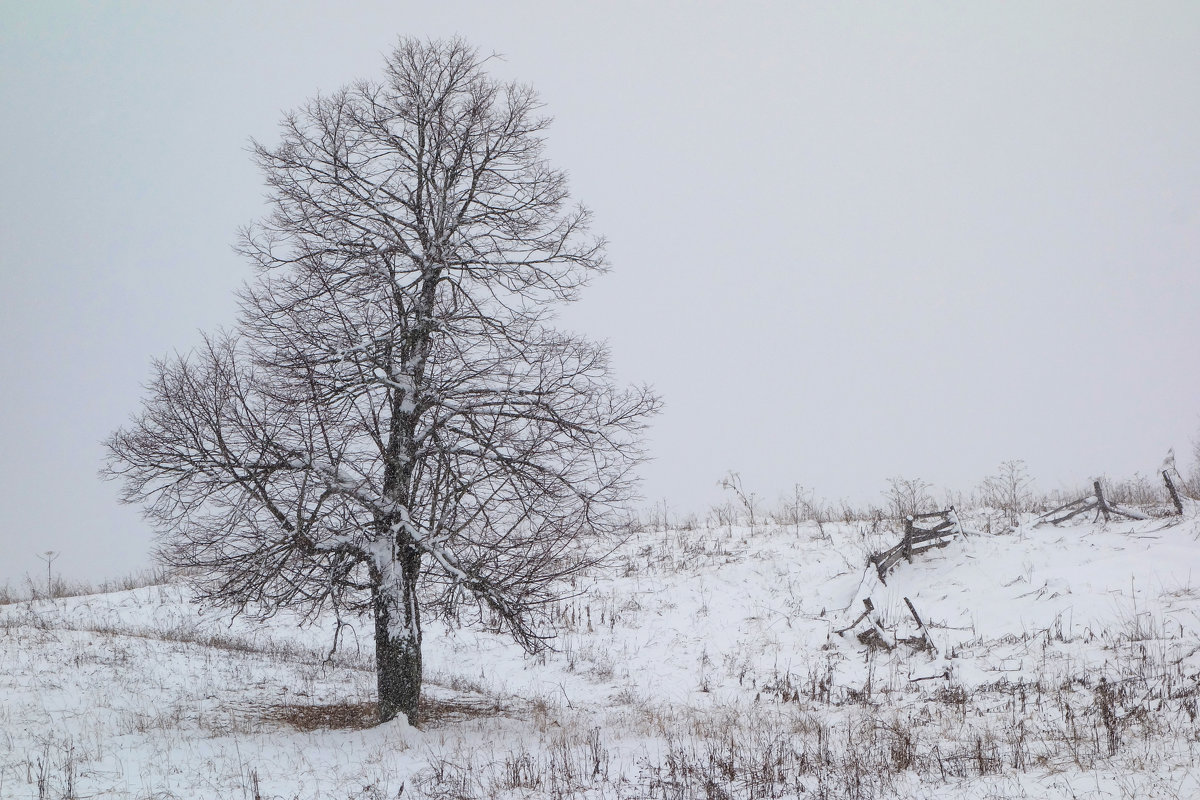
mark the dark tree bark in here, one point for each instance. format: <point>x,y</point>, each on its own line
<point>398,645</point>
<point>394,426</point>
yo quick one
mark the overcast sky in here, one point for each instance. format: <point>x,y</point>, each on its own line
<point>850,241</point>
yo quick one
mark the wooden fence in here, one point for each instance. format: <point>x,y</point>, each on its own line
<point>921,532</point>
<point>1095,502</point>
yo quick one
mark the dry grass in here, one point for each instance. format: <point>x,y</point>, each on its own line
<point>333,716</point>
<point>436,711</point>
<point>360,716</point>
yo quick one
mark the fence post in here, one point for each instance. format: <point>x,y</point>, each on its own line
<point>1174,493</point>
<point>908,538</point>
<point>952,515</point>
<point>1100,499</point>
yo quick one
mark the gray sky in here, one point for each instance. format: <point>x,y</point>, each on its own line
<point>849,241</point>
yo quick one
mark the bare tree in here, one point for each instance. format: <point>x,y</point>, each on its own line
<point>393,427</point>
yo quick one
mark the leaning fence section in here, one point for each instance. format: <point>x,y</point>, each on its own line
<point>921,532</point>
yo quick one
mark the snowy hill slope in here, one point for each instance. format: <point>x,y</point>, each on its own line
<point>702,663</point>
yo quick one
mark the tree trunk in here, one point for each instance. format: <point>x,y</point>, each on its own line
<point>398,641</point>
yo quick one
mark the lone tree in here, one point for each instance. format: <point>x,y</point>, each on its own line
<point>393,426</point>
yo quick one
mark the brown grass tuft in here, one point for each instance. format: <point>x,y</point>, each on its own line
<point>360,716</point>
<point>335,716</point>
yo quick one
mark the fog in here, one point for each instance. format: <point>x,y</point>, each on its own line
<point>848,243</point>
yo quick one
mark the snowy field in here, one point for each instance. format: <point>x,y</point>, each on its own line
<point>702,663</point>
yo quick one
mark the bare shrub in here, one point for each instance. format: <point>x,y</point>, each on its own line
<point>1138,490</point>
<point>1009,489</point>
<point>908,496</point>
<point>1192,485</point>
<point>746,502</point>
<point>801,506</point>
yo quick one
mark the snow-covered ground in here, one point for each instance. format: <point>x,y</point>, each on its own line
<point>702,663</point>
